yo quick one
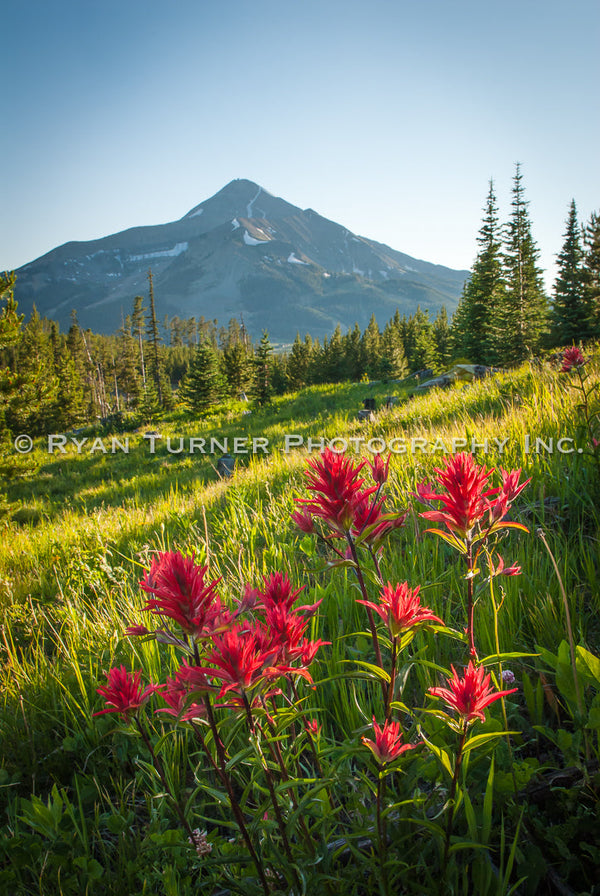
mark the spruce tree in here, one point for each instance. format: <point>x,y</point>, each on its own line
<point>521,319</point>
<point>393,359</point>
<point>299,363</point>
<point>570,312</point>
<point>592,272</point>
<point>483,292</point>
<point>371,349</point>
<point>156,366</point>
<point>441,334</point>
<point>262,387</point>
<point>203,386</point>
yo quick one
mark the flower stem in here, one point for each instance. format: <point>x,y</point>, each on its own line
<point>470,604</point>
<point>452,795</point>
<point>365,594</point>
<point>271,788</point>
<point>382,830</point>
<point>161,772</point>
<point>221,770</point>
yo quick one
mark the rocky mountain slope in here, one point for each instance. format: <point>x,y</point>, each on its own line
<point>243,251</point>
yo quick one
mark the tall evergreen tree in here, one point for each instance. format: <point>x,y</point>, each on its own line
<point>156,368</point>
<point>483,292</point>
<point>393,359</point>
<point>441,334</point>
<point>571,313</point>
<point>592,272</point>
<point>262,387</point>
<point>299,363</point>
<point>203,386</point>
<point>522,317</point>
<point>371,349</point>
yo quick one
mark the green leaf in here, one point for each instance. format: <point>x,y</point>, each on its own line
<point>452,540</point>
<point>376,671</point>
<point>441,755</point>
<point>479,739</point>
<point>588,665</point>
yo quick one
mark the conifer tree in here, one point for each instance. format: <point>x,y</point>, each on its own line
<point>31,409</point>
<point>592,272</point>
<point>10,336</point>
<point>299,363</point>
<point>483,292</point>
<point>353,354</point>
<point>156,367</point>
<point>203,386</point>
<point>441,334</point>
<point>138,328</point>
<point>371,349</point>
<point>521,319</point>
<point>393,359</point>
<point>571,313</point>
<point>262,387</point>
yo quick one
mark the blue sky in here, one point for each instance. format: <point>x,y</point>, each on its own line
<point>387,117</point>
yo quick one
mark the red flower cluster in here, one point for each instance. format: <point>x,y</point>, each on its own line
<point>343,502</point>
<point>124,693</point>
<point>183,594</point>
<point>572,358</point>
<point>468,500</point>
<point>401,610</point>
<point>469,695</point>
<point>388,743</point>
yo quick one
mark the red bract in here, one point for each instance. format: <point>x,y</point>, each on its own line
<point>380,469</point>
<point>278,592</point>
<point>470,694</point>
<point>241,657</point>
<point>466,499</point>
<point>400,608</point>
<point>334,480</point>
<point>182,593</point>
<point>178,692</point>
<point>124,693</point>
<point>572,358</point>
<point>469,502</point>
<point>388,744</point>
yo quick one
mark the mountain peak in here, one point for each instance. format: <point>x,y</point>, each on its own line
<point>241,251</point>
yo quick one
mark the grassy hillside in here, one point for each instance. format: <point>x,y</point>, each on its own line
<point>83,810</point>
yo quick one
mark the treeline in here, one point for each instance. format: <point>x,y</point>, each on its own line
<point>52,381</point>
<point>504,315</point>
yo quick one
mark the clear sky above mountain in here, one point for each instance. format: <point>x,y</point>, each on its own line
<point>387,117</point>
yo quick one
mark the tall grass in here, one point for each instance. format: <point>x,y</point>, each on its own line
<point>79,531</point>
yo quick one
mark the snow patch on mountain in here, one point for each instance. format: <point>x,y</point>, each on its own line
<point>177,249</point>
<point>251,203</point>
<point>235,223</point>
<point>293,260</point>
<point>251,241</point>
<point>196,213</point>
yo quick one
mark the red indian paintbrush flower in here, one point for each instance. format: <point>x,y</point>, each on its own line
<point>182,593</point>
<point>124,693</point>
<point>240,657</point>
<point>466,499</point>
<point>380,469</point>
<point>388,743</point>
<point>334,480</point>
<point>469,695</point>
<point>572,358</point>
<point>179,693</point>
<point>400,608</point>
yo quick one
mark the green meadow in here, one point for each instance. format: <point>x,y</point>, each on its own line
<point>83,809</point>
